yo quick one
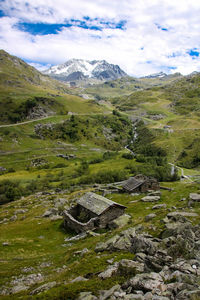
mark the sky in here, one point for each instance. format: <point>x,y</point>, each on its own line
<point>141,36</point>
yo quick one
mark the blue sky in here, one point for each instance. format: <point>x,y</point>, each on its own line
<point>143,36</point>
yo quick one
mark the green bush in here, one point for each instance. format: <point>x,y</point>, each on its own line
<point>127,155</point>
<point>9,191</point>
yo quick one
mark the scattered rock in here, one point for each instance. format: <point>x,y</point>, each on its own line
<point>50,212</point>
<point>82,252</point>
<point>55,218</point>
<point>6,244</point>
<point>143,243</point>
<point>107,294</point>
<point>109,272</point>
<point>150,217</point>
<point>19,288</point>
<point>127,267</point>
<point>43,288</point>
<point>13,218</point>
<point>195,197</point>
<point>122,241</point>
<point>86,296</point>
<point>21,211</point>
<point>177,228</point>
<point>5,220</point>
<point>146,282</point>
<point>45,264</point>
<point>22,282</point>
<point>181,213</point>
<point>150,199</point>
<point>120,222</point>
<point>79,278</point>
<point>77,237</point>
<point>27,269</point>
<point>154,193</point>
<point>110,261</point>
<point>158,206</point>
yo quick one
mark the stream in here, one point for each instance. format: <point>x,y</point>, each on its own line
<point>135,135</point>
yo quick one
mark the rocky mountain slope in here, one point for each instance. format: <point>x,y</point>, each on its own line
<point>79,69</point>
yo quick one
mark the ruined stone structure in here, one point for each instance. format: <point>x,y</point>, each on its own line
<point>92,211</point>
<point>141,184</point>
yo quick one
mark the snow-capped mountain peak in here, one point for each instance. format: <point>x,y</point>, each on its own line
<point>75,69</point>
<point>156,75</point>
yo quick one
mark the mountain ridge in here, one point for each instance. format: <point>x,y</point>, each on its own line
<point>78,69</point>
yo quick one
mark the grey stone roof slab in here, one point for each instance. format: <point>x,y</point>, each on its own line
<point>97,203</point>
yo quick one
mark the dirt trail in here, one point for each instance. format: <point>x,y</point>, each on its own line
<point>25,122</point>
<point>43,118</point>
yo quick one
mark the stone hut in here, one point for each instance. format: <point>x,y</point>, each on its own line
<point>141,184</point>
<point>92,211</point>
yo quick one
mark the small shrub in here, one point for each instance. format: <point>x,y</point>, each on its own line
<point>127,155</point>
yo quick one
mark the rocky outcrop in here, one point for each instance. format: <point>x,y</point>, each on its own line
<point>123,241</point>
<point>165,268</point>
<point>42,129</point>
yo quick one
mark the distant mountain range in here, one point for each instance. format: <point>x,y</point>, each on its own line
<point>162,75</point>
<point>80,69</point>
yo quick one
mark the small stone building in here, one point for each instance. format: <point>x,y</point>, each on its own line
<point>92,211</point>
<point>141,184</point>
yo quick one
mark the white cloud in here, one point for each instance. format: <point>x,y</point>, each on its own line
<point>141,49</point>
<point>40,67</point>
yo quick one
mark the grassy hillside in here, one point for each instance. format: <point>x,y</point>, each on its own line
<point>127,85</point>
<point>173,113</point>
<point>25,93</point>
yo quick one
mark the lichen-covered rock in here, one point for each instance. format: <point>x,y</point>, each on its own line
<point>120,222</point>
<point>50,212</point>
<point>182,213</point>
<point>159,206</point>
<point>130,267</point>
<point>188,295</point>
<point>146,282</point>
<point>150,199</point>
<point>150,217</point>
<point>187,267</point>
<point>195,197</point>
<point>79,278</point>
<point>86,296</point>
<point>111,292</point>
<point>122,241</point>
<point>157,262</point>
<point>176,228</point>
<point>109,272</point>
<point>140,243</point>
<point>43,287</point>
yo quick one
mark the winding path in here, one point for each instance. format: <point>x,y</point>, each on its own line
<point>25,122</point>
<point>43,118</point>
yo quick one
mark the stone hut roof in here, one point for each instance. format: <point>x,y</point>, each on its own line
<point>132,183</point>
<point>96,203</point>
